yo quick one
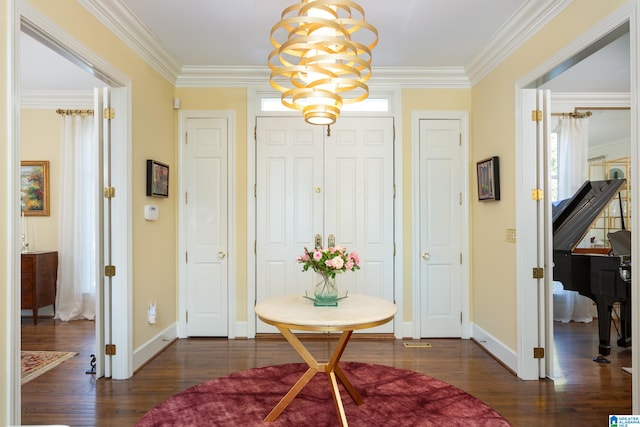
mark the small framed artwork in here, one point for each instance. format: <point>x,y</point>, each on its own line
<point>34,188</point>
<point>157,179</point>
<point>488,179</point>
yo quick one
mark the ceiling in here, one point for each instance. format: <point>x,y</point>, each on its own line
<point>425,35</point>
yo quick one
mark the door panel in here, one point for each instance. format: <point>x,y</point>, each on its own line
<point>288,205</point>
<point>206,212</point>
<point>359,202</point>
<point>440,240</point>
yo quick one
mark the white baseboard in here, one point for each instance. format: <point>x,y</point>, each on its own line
<point>155,345</point>
<point>241,330</point>
<point>496,348</point>
<point>407,330</point>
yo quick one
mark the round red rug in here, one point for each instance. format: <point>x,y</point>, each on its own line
<point>392,397</point>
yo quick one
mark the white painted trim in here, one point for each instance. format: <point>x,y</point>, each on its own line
<point>407,330</point>
<point>155,345</point>
<point>52,99</point>
<point>567,101</point>
<point>118,18</point>
<point>10,394</point>
<point>495,347</point>
<point>463,116</point>
<point>232,255</point>
<point>523,25</point>
<point>122,232</point>
<point>241,330</point>
<point>64,43</point>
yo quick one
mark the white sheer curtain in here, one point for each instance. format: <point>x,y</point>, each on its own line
<point>77,245</point>
<point>573,147</point>
<point>573,171</point>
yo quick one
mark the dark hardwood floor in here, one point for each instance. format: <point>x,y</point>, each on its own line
<point>583,394</point>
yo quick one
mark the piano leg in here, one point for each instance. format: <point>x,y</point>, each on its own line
<point>604,331</point>
<point>625,324</point>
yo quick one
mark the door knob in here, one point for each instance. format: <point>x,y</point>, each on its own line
<point>426,255</point>
<point>222,254</point>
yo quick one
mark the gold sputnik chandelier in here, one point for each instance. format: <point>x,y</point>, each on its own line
<point>317,63</point>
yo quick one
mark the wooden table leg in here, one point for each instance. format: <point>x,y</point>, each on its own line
<point>331,368</point>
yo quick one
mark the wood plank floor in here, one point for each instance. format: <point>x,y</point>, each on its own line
<point>584,393</point>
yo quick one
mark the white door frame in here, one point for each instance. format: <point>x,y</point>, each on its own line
<point>232,255</point>
<point>463,117</point>
<point>254,94</point>
<point>629,12</point>
<point>61,41</point>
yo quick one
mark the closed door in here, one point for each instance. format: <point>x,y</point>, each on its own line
<point>312,184</point>
<point>206,201</point>
<point>440,219</point>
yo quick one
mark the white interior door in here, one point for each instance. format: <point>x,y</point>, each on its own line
<point>440,219</point>
<point>309,184</point>
<point>206,200</point>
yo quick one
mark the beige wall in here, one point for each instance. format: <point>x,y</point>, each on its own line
<point>40,139</point>
<point>493,272</point>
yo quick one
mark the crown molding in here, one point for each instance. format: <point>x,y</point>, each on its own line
<point>525,22</point>
<point>221,76</point>
<point>53,99</point>
<point>421,77</point>
<point>198,76</point>
<point>567,101</point>
<point>119,19</point>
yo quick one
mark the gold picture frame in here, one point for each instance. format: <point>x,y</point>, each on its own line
<point>34,187</point>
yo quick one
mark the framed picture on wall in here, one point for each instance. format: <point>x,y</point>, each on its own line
<point>34,188</point>
<point>157,179</point>
<point>488,179</point>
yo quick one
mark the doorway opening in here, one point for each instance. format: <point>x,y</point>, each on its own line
<point>585,50</point>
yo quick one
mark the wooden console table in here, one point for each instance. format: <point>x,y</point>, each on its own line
<point>39,277</point>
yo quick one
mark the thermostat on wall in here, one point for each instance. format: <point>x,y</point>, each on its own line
<point>151,212</point>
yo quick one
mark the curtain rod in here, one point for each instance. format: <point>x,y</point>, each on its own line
<point>74,112</point>
<point>574,115</point>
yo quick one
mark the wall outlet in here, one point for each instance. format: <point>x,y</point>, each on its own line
<point>511,235</point>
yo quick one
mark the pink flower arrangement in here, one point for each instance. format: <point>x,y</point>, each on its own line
<point>329,261</point>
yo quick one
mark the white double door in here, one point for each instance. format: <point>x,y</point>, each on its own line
<point>311,184</point>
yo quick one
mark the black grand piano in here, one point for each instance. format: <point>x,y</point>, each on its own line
<point>603,277</point>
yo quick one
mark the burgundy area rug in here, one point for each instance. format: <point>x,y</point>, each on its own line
<point>392,397</point>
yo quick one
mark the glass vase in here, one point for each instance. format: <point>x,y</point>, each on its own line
<point>326,291</point>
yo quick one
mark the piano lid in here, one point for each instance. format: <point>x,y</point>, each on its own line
<point>573,217</point>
